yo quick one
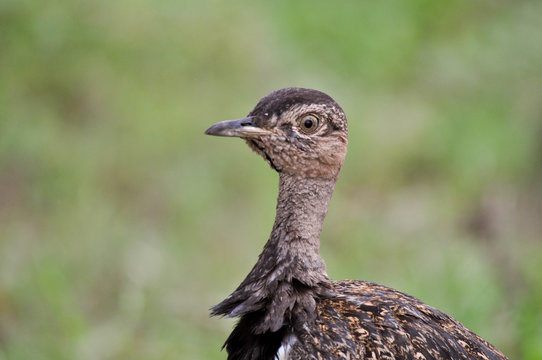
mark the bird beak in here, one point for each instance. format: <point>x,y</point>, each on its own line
<point>243,128</point>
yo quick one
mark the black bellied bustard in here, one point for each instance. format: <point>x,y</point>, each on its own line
<point>287,305</point>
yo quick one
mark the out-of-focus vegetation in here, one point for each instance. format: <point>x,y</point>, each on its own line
<point>121,223</point>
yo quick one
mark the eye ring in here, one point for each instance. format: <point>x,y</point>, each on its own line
<point>309,123</point>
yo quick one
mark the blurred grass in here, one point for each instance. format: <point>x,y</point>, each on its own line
<point>121,224</point>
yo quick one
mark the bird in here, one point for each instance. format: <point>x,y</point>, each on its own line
<point>288,307</point>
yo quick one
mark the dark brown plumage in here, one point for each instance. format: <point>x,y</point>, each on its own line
<point>287,305</point>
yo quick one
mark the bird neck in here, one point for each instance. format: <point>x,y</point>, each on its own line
<point>289,271</point>
<point>301,208</point>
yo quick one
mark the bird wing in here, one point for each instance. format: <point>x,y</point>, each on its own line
<point>363,320</point>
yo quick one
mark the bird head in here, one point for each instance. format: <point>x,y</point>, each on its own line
<point>297,131</point>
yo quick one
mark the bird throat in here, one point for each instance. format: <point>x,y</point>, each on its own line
<point>281,288</point>
<point>295,239</point>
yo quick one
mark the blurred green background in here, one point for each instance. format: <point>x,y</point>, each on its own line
<point>121,223</point>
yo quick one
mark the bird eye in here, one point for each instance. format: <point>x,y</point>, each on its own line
<point>308,123</point>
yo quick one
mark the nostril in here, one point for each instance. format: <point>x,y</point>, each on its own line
<point>246,123</point>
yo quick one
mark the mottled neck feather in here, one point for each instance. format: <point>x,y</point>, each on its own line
<point>301,208</point>
<point>289,271</point>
